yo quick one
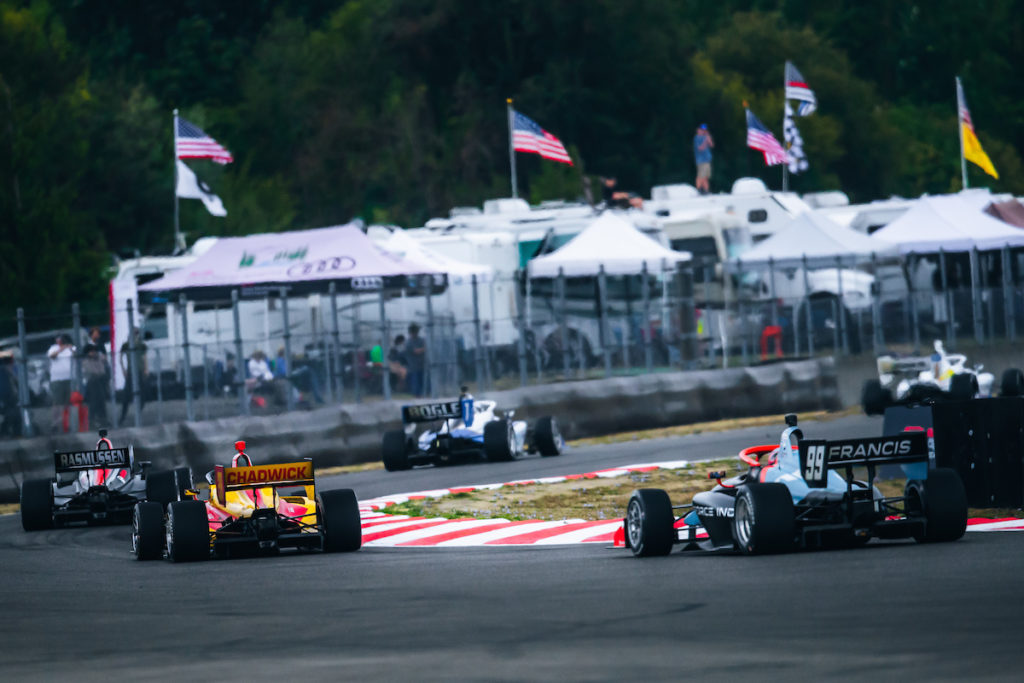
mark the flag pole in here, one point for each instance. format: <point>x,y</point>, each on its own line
<point>785,164</point>
<point>512,147</point>
<point>960,130</point>
<point>177,230</point>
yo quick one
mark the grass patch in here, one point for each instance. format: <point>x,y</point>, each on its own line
<point>714,426</point>
<point>599,499</point>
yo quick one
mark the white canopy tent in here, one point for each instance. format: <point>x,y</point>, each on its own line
<point>819,240</point>
<point>949,223</point>
<point>611,242</point>
<point>396,241</point>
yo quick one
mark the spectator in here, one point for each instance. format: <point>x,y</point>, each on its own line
<point>616,198</point>
<point>139,359</point>
<point>702,146</point>
<point>61,356</point>
<point>415,360</point>
<point>225,373</point>
<point>397,363</point>
<point>10,420</point>
<point>96,375</point>
<point>260,377</point>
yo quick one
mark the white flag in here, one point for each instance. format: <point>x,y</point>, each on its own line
<point>191,187</point>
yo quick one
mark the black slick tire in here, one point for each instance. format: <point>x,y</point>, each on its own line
<point>649,524</point>
<point>963,387</point>
<point>763,519</point>
<point>339,521</point>
<point>148,536</point>
<point>188,532</point>
<point>875,398</point>
<point>546,437</point>
<point>162,487</point>
<point>942,500</point>
<point>1011,383</point>
<point>182,480</point>
<point>394,451</point>
<point>498,441</point>
<point>37,504</point>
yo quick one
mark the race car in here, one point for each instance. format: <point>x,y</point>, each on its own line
<point>941,376</point>
<point>242,511</point>
<point>792,496</point>
<point>466,429</point>
<point>100,486</point>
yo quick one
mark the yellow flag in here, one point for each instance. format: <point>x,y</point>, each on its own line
<point>973,151</point>
<point>971,147</point>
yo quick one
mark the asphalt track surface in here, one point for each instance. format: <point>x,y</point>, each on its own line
<point>76,606</point>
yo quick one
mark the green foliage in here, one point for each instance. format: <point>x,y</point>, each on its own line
<point>394,110</point>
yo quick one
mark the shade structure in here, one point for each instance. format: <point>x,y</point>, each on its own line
<point>302,261</point>
<point>399,243</point>
<point>610,242</point>
<point>817,240</point>
<point>1010,211</point>
<point>949,223</point>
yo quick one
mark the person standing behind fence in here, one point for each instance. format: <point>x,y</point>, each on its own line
<point>61,356</point>
<point>96,375</point>
<point>10,420</point>
<point>702,146</point>
<point>416,360</point>
<point>128,395</point>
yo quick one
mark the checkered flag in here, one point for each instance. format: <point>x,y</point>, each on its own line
<point>795,157</point>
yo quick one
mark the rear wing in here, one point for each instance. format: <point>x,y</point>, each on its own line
<point>817,457</point>
<point>77,461</point>
<point>429,412</point>
<point>260,476</point>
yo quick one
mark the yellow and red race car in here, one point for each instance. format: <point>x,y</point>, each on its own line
<point>247,510</point>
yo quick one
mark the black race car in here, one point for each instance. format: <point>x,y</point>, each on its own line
<point>100,486</point>
<point>793,496</point>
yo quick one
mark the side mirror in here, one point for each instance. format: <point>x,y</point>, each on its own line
<point>717,475</point>
<point>791,419</point>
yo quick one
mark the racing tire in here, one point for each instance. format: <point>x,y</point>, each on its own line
<point>162,487</point>
<point>182,480</point>
<point>763,519</point>
<point>188,532</point>
<point>394,451</point>
<point>649,525</point>
<point>148,536</point>
<point>1011,383</point>
<point>340,523</point>
<point>546,437</point>
<point>963,387</point>
<point>875,398</point>
<point>36,504</point>
<point>499,441</point>
<point>942,500</point>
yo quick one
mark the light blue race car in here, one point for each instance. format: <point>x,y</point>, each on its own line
<point>466,429</point>
<point>794,496</point>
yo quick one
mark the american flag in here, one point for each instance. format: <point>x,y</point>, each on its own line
<point>797,89</point>
<point>760,138</point>
<point>192,143</point>
<point>527,136</point>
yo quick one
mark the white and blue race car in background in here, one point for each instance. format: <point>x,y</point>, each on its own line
<point>466,429</point>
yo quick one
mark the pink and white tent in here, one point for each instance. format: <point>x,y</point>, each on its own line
<point>302,261</point>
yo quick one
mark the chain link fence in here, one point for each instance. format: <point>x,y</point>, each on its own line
<point>83,370</point>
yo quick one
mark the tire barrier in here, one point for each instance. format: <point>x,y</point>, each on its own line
<point>982,439</point>
<point>352,433</point>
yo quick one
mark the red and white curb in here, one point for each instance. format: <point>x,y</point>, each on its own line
<point>382,529</point>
